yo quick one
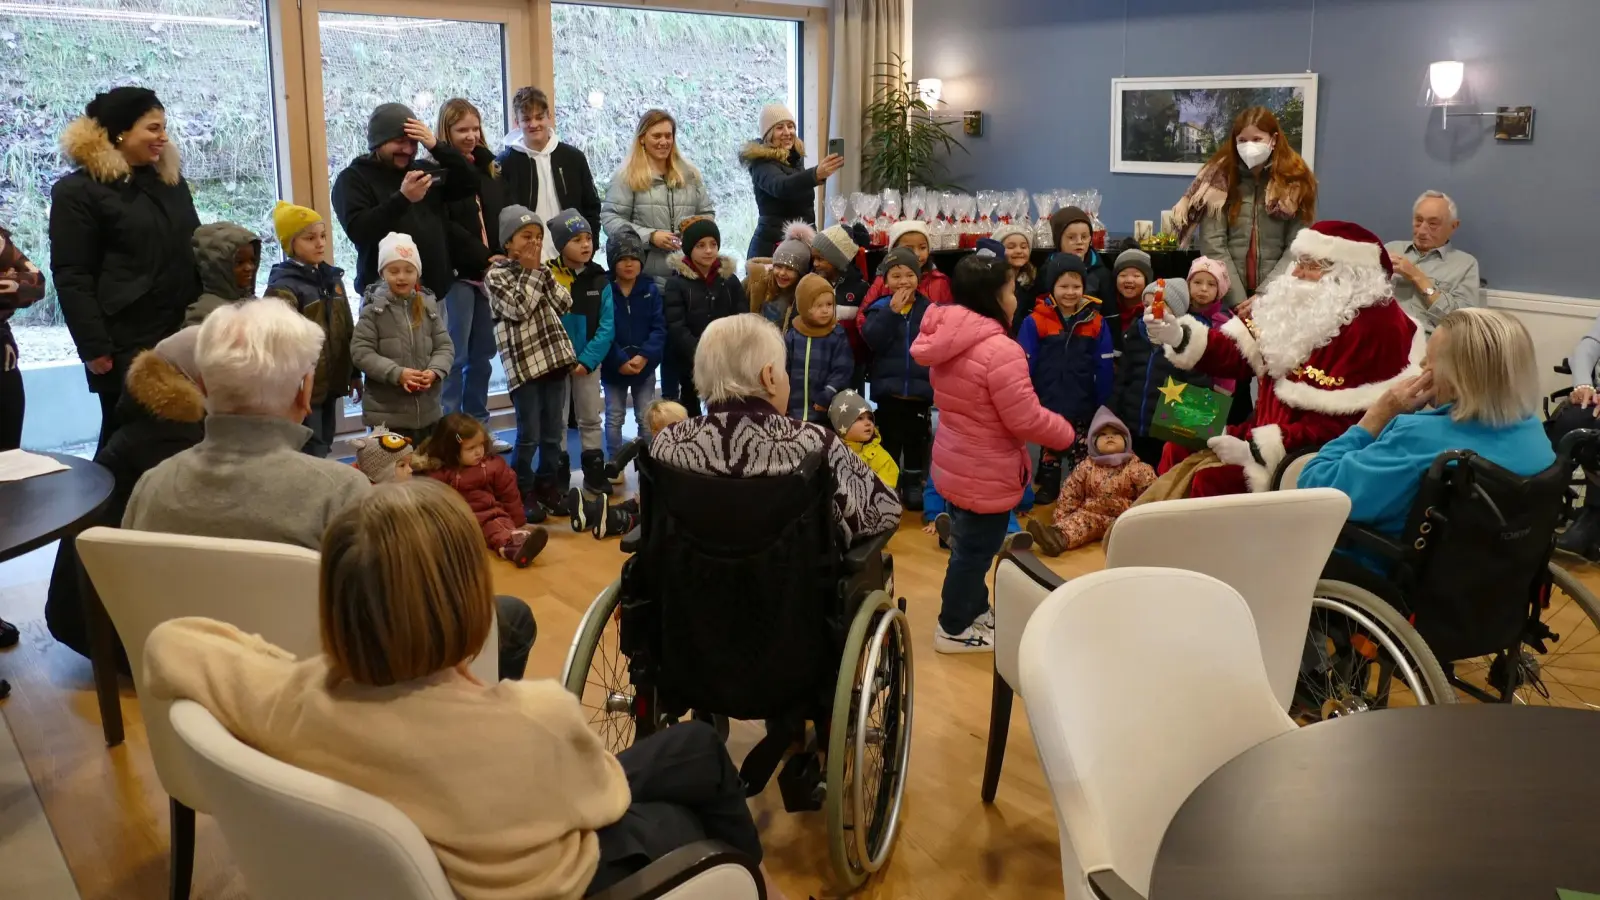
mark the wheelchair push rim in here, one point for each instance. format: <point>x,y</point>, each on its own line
<point>1362,655</point>
<point>869,741</point>
<point>597,673</point>
<point>1566,674</point>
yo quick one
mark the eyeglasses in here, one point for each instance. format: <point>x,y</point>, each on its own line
<point>393,442</point>
<point>1311,264</point>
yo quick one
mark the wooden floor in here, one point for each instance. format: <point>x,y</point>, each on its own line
<point>110,814</point>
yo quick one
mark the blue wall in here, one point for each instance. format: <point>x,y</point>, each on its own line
<point>1041,71</point>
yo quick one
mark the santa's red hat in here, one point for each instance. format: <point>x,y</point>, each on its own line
<point>1342,242</point>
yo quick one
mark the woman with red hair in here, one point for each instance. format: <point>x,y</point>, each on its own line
<point>1248,202</point>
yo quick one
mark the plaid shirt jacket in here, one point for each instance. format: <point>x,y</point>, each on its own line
<point>527,305</point>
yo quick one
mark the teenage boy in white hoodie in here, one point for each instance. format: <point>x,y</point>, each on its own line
<point>542,173</point>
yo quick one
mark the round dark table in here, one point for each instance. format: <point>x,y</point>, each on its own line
<point>1442,802</point>
<point>56,507</point>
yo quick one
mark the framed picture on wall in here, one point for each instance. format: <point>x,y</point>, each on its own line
<point>1170,126</point>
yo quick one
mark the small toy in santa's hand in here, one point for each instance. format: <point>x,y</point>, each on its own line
<point>1188,415</point>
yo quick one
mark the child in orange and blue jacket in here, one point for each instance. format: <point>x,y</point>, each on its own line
<point>1069,350</point>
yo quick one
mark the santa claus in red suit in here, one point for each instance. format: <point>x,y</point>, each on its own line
<point>1323,341</point>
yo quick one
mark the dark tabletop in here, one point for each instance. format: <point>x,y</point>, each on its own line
<point>38,510</point>
<point>1447,802</point>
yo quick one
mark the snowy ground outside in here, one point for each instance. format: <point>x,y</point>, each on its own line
<point>40,344</point>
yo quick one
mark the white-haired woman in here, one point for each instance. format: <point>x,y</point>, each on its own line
<point>247,478</point>
<point>1480,378</point>
<point>740,371</point>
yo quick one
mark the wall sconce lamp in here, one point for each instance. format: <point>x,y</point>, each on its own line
<point>932,92</point>
<point>1446,86</point>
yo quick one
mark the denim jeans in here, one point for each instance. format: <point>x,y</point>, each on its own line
<point>617,396</point>
<point>323,420</point>
<point>975,539</point>
<point>541,426</point>
<point>467,318</point>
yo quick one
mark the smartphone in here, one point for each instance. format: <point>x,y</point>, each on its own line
<point>836,147</point>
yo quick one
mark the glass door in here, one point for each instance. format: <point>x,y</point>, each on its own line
<point>360,54</point>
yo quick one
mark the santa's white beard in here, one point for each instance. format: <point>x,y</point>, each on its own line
<point>1293,317</point>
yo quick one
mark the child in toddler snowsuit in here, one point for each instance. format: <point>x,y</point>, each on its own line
<point>1099,489</point>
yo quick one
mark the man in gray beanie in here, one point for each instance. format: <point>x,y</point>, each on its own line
<point>389,189</point>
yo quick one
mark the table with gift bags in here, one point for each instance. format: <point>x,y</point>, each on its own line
<point>1165,263</point>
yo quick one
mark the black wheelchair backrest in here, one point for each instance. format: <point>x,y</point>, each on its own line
<point>1478,545</point>
<point>727,515</point>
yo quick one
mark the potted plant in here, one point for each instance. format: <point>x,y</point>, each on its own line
<point>904,137</point>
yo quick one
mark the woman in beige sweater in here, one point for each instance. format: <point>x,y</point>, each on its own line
<point>517,796</point>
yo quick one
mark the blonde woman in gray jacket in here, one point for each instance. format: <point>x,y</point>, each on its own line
<point>654,191</point>
<point>401,345</point>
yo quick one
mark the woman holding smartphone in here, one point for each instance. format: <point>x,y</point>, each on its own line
<point>786,190</point>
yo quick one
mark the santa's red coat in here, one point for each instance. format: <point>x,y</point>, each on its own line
<point>1311,404</point>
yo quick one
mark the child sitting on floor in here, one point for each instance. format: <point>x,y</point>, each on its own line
<point>851,416</point>
<point>590,511</point>
<point>458,456</point>
<point>1101,488</point>
<point>383,456</point>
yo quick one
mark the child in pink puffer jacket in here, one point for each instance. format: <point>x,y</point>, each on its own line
<point>988,413</point>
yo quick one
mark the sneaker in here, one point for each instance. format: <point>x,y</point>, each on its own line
<point>1017,540</point>
<point>534,512</point>
<point>614,521</point>
<point>577,508</point>
<point>976,639</point>
<point>498,446</point>
<point>987,619</point>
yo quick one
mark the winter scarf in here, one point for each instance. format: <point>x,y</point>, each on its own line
<point>1208,193</point>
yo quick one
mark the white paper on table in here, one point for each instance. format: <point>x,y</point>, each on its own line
<point>15,465</point>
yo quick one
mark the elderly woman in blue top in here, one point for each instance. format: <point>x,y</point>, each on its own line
<point>1481,380</point>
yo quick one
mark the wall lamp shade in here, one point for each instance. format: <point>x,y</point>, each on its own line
<point>1445,81</point>
<point>931,89</point>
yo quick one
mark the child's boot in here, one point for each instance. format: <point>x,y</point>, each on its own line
<point>524,545</point>
<point>911,491</point>
<point>1049,482</point>
<point>587,508</point>
<point>1047,537</point>
<point>616,520</point>
<point>594,472</point>
<point>547,493</point>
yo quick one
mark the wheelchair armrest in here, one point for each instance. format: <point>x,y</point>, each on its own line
<point>865,551</point>
<point>678,872</point>
<point>1360,537</point>
<point>1108,885</point>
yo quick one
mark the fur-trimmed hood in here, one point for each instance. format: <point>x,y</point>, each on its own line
<point>758,283</point>
<point>158,385</point>
<point>760,151</point>
<point>87,144</point>
<point>726,267</point>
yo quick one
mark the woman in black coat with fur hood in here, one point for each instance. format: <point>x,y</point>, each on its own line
<point>162,413</point>
<point>786,191</point>
<point>120,230</point>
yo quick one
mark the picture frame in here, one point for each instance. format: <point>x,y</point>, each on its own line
<point>1149,134</point>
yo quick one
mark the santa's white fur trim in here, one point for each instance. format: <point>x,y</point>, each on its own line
<point>1349,401</point>
<point>1238,332</point>
<point>1317,245</point>
<point>1269,443</point>
<point>1197,335</point>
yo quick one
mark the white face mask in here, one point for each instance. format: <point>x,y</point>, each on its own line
<point>1254,153</point>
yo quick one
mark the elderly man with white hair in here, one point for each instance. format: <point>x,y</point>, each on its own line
<point>247,478</point>
<point>740,370</point>
<point>1433,279</point>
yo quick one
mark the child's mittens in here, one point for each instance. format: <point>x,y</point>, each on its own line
<point>1231,450</point>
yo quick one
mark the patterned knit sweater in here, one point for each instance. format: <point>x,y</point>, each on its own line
<point>749,439</point>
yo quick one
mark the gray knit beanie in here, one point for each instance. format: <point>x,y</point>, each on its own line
<point>836,247</point>
<point>1134,258</point>
<point>386,123</point>
<point>794,254</point>
<point>846,408</point>
<point>512,220</point>
<point>379,452</point>
<point>899,256</point>
<point>1173,291</point>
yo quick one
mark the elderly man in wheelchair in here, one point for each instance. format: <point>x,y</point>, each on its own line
<point>760,589</point>
<point>1443,573</point>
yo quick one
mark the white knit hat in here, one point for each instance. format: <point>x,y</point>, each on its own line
<point>1012,230</point>
<point>911,226</point>
<point>771,115</point>
<point>397,246</point>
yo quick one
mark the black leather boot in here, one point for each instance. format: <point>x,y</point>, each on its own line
<point>1047,486</point>
<point>594,472</point>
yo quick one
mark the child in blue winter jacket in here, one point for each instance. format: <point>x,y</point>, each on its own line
<point>638,339</point>
<point>820,359</point>
<point>1069,350</point>
<point>900,385</point>
<point>589,324</point>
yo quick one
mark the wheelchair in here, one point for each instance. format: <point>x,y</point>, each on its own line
<point>740,602</point>
<point>1480,611</point>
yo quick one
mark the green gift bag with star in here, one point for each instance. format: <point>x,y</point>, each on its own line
<point>1188,415</point>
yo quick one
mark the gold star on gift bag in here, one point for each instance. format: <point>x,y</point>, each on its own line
<point>1188,415</point>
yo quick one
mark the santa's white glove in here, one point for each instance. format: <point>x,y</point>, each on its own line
<point>1164,330</point>
<point>1232,450</point>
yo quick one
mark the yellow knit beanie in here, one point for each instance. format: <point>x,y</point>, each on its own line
<point>289,220</point>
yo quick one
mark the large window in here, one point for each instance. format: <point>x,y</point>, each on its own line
<point>712,72</point>
<point>207,59</point>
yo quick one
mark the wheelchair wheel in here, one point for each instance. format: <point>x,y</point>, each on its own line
<point>869,743</point>
<point>597,672</point>
<point>1360,655</point>
<point>1561,669</point>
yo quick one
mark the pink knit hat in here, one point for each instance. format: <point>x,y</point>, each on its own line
<point>1215,269</point>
